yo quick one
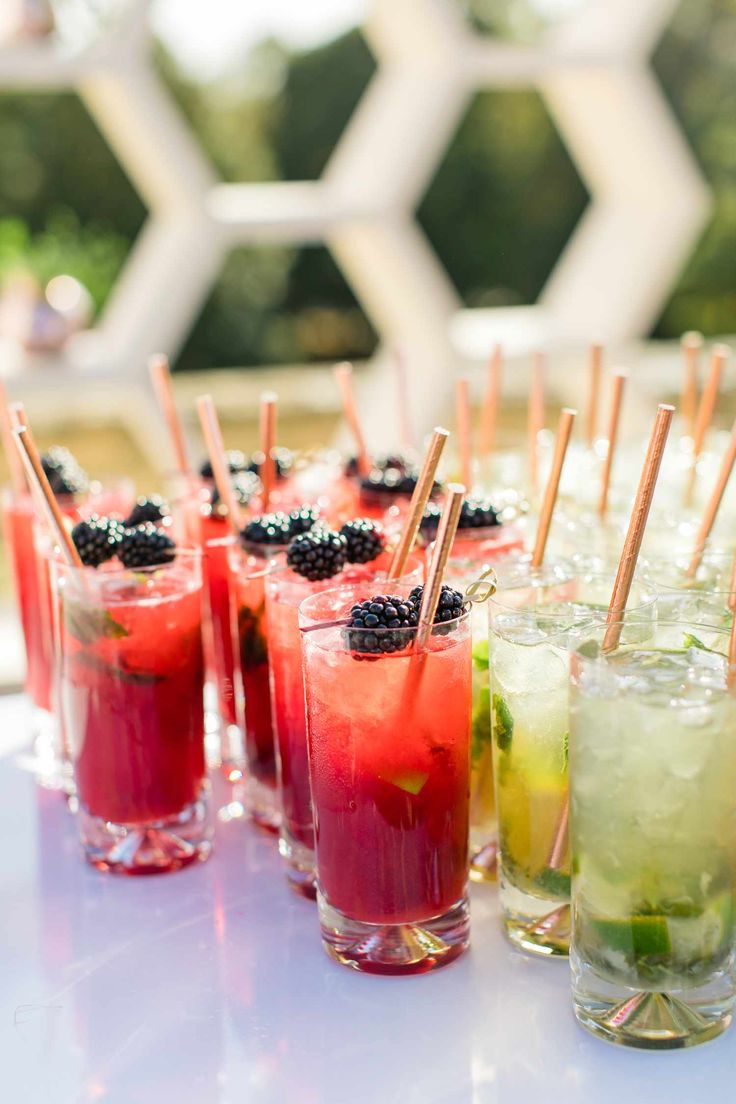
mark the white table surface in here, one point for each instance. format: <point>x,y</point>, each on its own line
<point>210,986</point>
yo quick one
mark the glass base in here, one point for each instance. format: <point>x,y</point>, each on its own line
<point>157,848</point>
<point>536,925</point>
<point>412,948</point>
<point>299,865</point>
<point>50,768</point>
<point>262,803</point>
<point>651,1020</point>
<point>484,863</point>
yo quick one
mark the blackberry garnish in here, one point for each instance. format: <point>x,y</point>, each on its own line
<point>97,539</point>
<point>152,509</point>
<point>450,606</point>
<point>237,461</point>
<point>365,540</point>
<point>283,457</point>
<point>63,472</point>
<point>319,554</point>
<point>476,513</point>
<point>245,486</point>
<point>267,529</point>
<point>394,481</point>
<point>394,618</point>
<point>145,546</point>
<point>302,520</point>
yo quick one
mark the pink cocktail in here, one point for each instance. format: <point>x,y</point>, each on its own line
<point>285,591</point>
<point>389,763</point>
<point>131,681</point>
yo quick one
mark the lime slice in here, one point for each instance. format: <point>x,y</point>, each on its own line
<point>638,936</point>
<point>554,882</point>
<point>411,782</point>
<point>480,655</point>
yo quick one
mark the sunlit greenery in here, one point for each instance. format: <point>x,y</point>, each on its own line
<point>499,210</point>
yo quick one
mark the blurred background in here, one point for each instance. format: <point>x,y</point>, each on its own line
<point>261,190</point>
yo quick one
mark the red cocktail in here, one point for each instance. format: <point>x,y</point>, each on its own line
<point>389,764</point>
<point>131,680</point>
<point>285,591</point>
<point>249,572</point>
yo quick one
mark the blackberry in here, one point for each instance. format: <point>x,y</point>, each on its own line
<point>365,540</point>
<point>476,513</point>
<point>245,486</point>
<point>152,509</point>
<point>283,457</point>
<point>237,461</point>
<point>97,539</point>
<point>380,464</point>
<point>145,546</point>
<point>63,472</point>
<point>394,618</point>
<point>450,606</point>
<point>302,520</point>
<point>268,529</point>
<point>393,481</point>
<point>319,554</point>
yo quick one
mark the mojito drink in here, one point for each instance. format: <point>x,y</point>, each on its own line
<point>653,792</point>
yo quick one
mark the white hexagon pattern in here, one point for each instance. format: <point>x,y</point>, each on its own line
<point>648,199</point>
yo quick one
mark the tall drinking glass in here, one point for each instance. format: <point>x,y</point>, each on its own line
<point>532,621</point>
<point>389,763</point>
<point>653,827</point>
<point>285,591</point>
<point>248,571</point>
<point>131,681</point>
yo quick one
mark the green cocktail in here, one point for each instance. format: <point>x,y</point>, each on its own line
<point>653,830</point>
<point>534,619</point>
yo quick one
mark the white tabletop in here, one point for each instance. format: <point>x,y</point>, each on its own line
<point>210,986</point>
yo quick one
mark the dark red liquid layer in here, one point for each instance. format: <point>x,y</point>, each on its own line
<point>390,781</point>
<point>33,597</point>
<point>253,637</point>
<point>132,681</point>
<point>221,657</point>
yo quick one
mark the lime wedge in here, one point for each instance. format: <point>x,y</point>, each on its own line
<point>480,655</point>
<point>503,722</point>
<point>638,936</point>
<point>411,782</point>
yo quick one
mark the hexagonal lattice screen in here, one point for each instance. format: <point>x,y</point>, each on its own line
<point>648,200</point>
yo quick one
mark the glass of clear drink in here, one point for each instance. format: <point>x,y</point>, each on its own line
<point>533,620</point>
<point>653,831</point>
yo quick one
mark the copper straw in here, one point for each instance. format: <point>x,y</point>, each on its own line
<point>637,525</point>
<point>418,503</point>
<point>731,675</point>
<point>535,422</point>
<point>445,537</point>
<point>564,429</point>
<point>212,434</point>
<point>462,418</point>
<point>706,409</point>
<point>402,399</point>
<point>619,382</point>
<point>15,464</point>
<point>344,377</point>
<point>45,496</point>
<point>489,414</point>
<point>268,444</point>
<point>158,367</point>
<point>732,595</point>
<point>692,343</point>
<point>713,505</point>
<point>595,360</point>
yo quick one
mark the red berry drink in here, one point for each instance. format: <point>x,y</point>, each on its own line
<point>249,572</point>
<point>389,763</point>
<point>217,545</point>
<point>131,679</point>
<point>286,589</point>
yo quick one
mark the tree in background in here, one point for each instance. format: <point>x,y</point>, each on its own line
<point>498,212</point>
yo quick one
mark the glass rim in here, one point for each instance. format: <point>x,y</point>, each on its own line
<point>190,553</point>
<point>361,584</point>
<point>583,574</point>
<point>313,629</point>
<point>678,623</point>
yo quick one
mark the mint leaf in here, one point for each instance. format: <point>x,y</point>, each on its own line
<point>565,750</point>
<point>88,624</point>
<point>690,641</point>
<point>503,723</point>
<point>554,882</point>
<point>481,724</point>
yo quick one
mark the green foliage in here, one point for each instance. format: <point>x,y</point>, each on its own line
<point>500,209</point>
